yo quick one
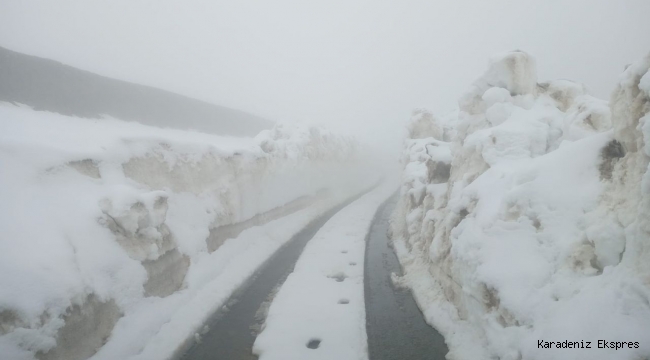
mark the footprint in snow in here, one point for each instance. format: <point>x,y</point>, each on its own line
<point>339,277</point>
<point>313,343</point>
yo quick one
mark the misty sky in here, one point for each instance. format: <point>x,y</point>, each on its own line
<point>353,64</point>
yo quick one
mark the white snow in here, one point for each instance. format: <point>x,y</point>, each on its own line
<point>541,231</point>
<point>155,328</point>
<point>85,204</point>
<point>496,95</point>
<point>524,216</point>
<point>322,299</point>
<point>644,84</point>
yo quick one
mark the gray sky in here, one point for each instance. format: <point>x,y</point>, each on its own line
<point>352,64</point>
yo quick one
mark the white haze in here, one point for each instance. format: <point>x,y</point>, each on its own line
<point>352,65</point>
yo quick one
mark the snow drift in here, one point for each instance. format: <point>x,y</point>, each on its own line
<point>525,216</point>
<point>109,226</point>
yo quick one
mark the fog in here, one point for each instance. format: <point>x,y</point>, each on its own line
<point>356,65</point>
<point>514,227</point>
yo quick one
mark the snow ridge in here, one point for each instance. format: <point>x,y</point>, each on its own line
<point>524,216</point>
<point>106,219</point>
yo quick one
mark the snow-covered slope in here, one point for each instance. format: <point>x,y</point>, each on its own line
<point>104,221</point>
<point>525,217</point>
<point>48,85</point>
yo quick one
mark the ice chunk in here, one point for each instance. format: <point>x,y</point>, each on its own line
<point>496,95</point>
<point>515,71</point>
<point>629,104</point>
<point>423,125</point>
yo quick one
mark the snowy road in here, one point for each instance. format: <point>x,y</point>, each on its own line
<point>395,325</point>
<point>317,309</point>
<point>231,333</point>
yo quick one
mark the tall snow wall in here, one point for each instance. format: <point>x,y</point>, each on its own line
<point>104,219</point>
<point>524,216</point>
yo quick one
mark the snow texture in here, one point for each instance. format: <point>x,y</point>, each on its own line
<point>319,312</point>
<point>105,219</point>
<point>541,230</point>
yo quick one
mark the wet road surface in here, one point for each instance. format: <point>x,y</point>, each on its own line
<point>231,333</point>
<point>395,325</point>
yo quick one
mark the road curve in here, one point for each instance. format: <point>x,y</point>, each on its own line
<point>231,333</point>
<point>394,324</point>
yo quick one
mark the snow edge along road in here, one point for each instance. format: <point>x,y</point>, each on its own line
<point>240,257</point>
<point>319,312</point>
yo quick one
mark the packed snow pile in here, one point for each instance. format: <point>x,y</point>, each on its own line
<point>110,229</point>
<point>297,142</point>
<point>524,218</point>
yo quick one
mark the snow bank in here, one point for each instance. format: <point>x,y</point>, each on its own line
<point>319,312</point>
<point>119,225</point>
<point>526,221</point>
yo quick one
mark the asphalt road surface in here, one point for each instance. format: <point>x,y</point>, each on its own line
<point>232,332</point>
<point>395,326</point>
